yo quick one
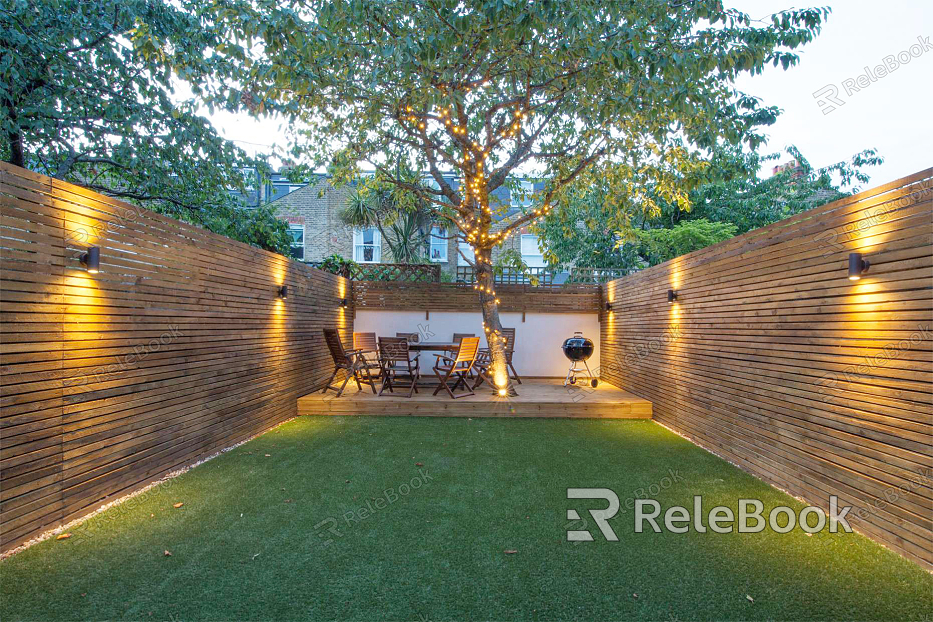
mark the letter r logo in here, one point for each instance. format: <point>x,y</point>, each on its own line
<point>600,516</point>
<point>827,98</point>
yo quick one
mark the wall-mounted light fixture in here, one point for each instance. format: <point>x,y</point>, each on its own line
<point>344,302</point>
<point>671,295</point>
<point>283,292</point>
<point>608,306</point>
<point>857,266</point>
<point>91,259</point>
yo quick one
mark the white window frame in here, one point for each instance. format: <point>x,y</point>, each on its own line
<point>534,260</point>
<point>464,249</point>
<point>523,198</point>
<point>438,241</point>
<point>292,226</point>
<point>359,247</point>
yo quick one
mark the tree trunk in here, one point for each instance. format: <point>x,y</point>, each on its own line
<point>17,154</point>
<point>498,369</point>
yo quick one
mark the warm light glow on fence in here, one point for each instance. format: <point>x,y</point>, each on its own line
<point>868,295</point>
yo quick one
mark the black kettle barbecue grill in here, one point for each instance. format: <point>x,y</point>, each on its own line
<point>578,348</point>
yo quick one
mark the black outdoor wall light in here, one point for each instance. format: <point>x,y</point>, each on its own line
<point>283,292</point>
<point>608,306</point>
<point>857,266</point>
<point>671,295</point>
<point>343,302</point>
<point>91,259</point>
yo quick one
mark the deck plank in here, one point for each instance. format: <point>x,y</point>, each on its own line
<point>536,398</point>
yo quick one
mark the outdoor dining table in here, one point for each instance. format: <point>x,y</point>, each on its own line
<point>433,345</point>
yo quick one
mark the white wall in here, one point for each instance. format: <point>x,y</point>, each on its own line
<point>537,339</point>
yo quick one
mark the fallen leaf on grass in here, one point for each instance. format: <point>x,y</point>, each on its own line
<point>510,551</point>
<point>177,505</point>
<point>63,536</point>
<point>256,555</point>
<point>288,501</point>
<point>168,553</point>
<point>268,455</point>
<point>749,598</point>
<point>634,595</point>
<point>419,464</point>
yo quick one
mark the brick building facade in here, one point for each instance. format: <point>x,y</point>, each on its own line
<point>313,215</point>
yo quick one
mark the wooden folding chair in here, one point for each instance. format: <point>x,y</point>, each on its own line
<point>460,366</point>
<point>350,362</point>
<point>366,344</point>
<point>509,334</point>
<point>458,337</point>
<point>396,360</point>
<point>411,337</point>
<point>484,359</point>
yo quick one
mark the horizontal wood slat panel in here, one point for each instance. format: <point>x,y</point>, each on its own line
<point>772,358</point>
<point>571,298</point>
<point>179,347</point>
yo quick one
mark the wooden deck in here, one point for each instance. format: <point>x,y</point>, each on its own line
<point>537,398</point>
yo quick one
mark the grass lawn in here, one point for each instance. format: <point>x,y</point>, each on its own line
<point>244,545</point>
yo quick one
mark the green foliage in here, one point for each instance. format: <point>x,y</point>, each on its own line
<point>634,94</point>
<point>660,245</point>
<point>750,202</point>
<point>400,216</point>
<point>587,233</point>
<point>89,93</point>
<point>337,264</point>
<point>510,261</point>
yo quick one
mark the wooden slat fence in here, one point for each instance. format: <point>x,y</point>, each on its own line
<point>772,358</point>
<point>375,295</point>
<point>179,347</point>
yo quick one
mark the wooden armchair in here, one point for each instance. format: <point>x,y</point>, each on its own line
<point>396,361</point>
<point>460,366</point>
<point>350,362</point>
<point>365,343</point>
<point>411,337</point>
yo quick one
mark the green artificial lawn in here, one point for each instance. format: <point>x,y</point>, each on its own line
<point>244,544</point>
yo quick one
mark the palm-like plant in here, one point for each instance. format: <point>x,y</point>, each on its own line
<point>403,224</point>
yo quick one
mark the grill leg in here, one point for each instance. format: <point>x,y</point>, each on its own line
<point>569,374</point>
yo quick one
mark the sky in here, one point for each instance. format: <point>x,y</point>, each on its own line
<point>892,114</point>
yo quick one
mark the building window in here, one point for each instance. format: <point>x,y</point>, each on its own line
<point>531,253</point>
<point>367,245</point>
<point>438,244</point>
<point>465,251</point>
<point>522,198</point>
<point>298,241</point>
